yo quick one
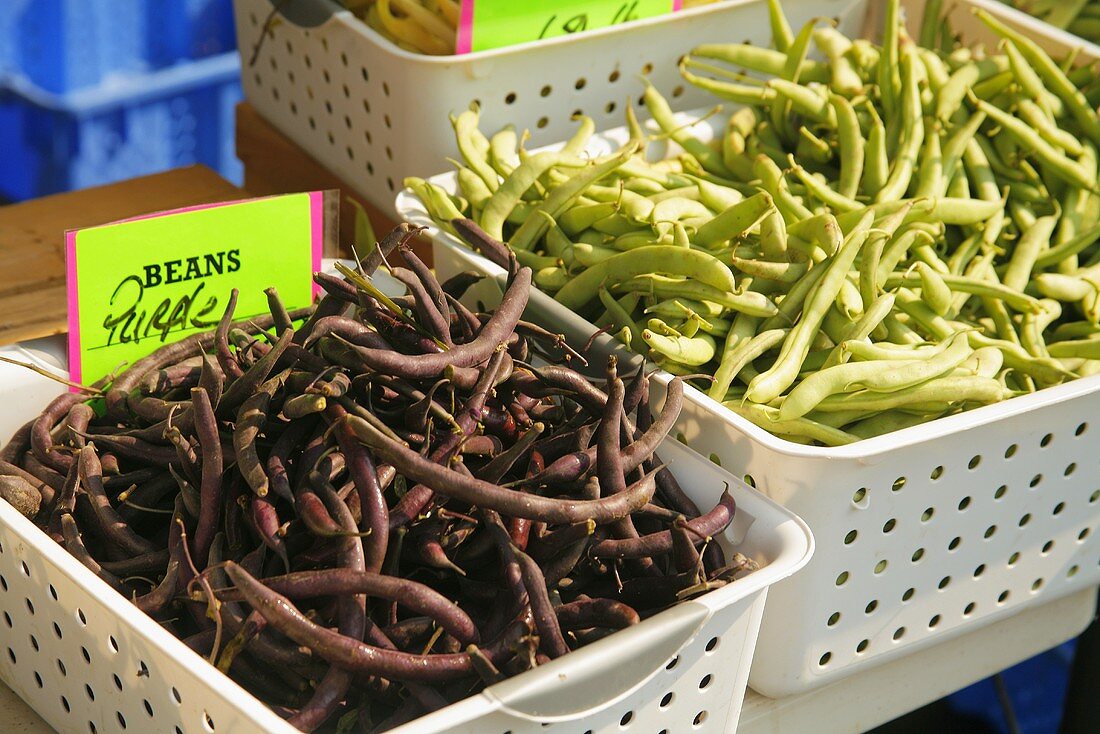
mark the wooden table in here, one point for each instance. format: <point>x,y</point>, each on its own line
<point>32,239</point>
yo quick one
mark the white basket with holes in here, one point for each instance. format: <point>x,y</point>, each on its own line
<point>373,113</point>
<point>923,534</point>
<point>88,661</point>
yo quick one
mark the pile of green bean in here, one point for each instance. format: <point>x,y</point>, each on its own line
<point>1079,17</point>
<point>886,236</point>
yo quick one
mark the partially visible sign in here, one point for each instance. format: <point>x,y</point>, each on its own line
<point>138,284</point>
<point>486,24</point>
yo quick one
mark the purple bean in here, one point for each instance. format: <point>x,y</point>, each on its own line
<point>586,612</point>
<point>550,637</point>
<point>655,544</point>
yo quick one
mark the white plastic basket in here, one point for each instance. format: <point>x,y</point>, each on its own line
<point>373,113</point>
<point>88,661</point>
<point>923,534</point>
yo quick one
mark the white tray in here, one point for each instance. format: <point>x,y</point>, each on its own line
<point>373,113</point>
<point>88,661</point>
<point>864,599</point>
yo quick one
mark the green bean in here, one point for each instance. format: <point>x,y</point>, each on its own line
<point>561,196</point>
<point>942,391</point>
<point>643,260</point>
<point>820,229</point>
<point>502,151</point>
<point>681,306</point>
<point>888,422</point>
<point>658,107</point>
<point>877,163</point>
<point>851,146</point>
<point>1055,79</point>
<point>734,221</point>
<point>782,37</point>
<point>889,83</point>
<point>507,195</point>
<point>805,100</point>
<point>873,376</point>
<point>1033,115</point>
<point>1015,299</point>
<point>772,383</point>
<point>774,183</point>
<point>844,78</point>
<point>848,301</point>
<point>782,272</point>
<point>912,134</point>
<point>677,209</point>
<point>933,289</point>
<point>768,418</point>
<point>473,146</point>
<point>661,328</point>
<point>812,148</point>
<point>740,93</point>
<point>953,93</point>
<point>1081,348</point>
<point>874,314</point>
<point>930,26</point>
<point>690,351</point>
<point>620,318</point>
<point>576,144</point>
<point>579,218</point>
<point>1030,82</point>
<point>744,301</point>
<point>820,190</point>
<point>473,188</point>
<point>551,279</point>
<point>438,203</point>
<point>1059,165</point>
<point>887,351</point>
<point>1072,247</point>
<point>773,236</point>
<point>1027,250</point>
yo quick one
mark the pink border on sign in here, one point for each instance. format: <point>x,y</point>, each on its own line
<point>677,5</point>
<point>316,236</point>
<point>317,232</point>
<point>465,40</point>
<point>74,308</point>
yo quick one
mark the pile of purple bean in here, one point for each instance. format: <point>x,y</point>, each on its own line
<point>381,511</point>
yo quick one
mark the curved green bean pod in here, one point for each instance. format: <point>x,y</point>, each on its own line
<point>1015,299</point>
<point>941,391</point>
<point>507,195</point>
<point>1081,348</point>
<point>742,301</point>
<point>734,221</point>
<point>620,318</point>
<point>933,288</point>
<point>1059,165</point>
<point>694,264</point>
<point>473,146</point>
<point>709,158</point>
<point>772,383</point>
<point>739,352</point>
<point>851,146</point>
<point>873,376</point>
<point>563,195</point>
<point>912,134</point>
<point>502,151</point>
<point>690,351</point>
<point>1056,81</point>
<point>768,418</point>
<point>781,272</point>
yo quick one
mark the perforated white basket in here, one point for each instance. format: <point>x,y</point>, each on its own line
<point>922,534</point>
<point>373,113</point>
<point>88,661</point>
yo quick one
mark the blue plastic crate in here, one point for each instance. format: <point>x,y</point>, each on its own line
<point>64,45</point>
<point>1037,688</point>
<point>164,119</point>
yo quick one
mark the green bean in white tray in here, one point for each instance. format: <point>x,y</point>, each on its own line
<point>891,234</point>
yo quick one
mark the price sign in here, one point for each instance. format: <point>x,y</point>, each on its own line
<point>138,284</point>
<point>486,24</point>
